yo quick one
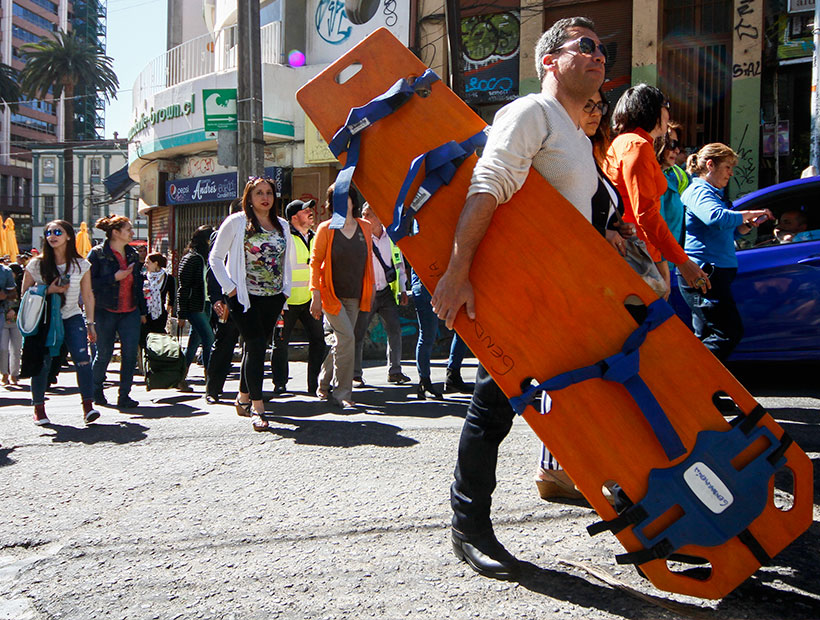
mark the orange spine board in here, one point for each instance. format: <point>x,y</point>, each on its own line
<point>549,297</point>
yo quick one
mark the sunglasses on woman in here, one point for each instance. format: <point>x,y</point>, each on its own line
<point>54,231</point>
<point>601,106</point>
<point>672,145</point>
<point>587,46</point>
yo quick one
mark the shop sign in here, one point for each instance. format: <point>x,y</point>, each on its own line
<point>219,105</point>
<point>214,188</point>
<point>799,6</point>
<point>175,110</point>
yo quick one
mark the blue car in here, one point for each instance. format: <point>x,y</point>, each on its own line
<point>777,288</point>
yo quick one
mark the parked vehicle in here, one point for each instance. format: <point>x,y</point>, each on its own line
<point>777,288</point>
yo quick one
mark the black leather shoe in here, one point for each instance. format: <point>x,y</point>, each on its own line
<point>485,555</point>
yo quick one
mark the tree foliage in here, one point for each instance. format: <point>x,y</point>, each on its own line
<point>9,87</point>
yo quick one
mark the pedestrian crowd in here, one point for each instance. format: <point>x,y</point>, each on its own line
<point>619,166</point>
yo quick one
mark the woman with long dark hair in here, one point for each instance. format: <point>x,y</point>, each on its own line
<point>120,302</point>
<point>252,258</point>
<point>191,297</point>
<point>66,273</point>
<point>641,115</point>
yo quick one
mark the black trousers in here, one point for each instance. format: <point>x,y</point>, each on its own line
<point>256,327</point>
<point>317,349</point>
<point>489,420</point>
<point>226,335</point>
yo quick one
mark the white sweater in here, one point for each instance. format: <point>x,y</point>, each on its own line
<point>230,245</point>
<point>536,131</point>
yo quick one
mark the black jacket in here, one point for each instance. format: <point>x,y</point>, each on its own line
<point>191,291</point>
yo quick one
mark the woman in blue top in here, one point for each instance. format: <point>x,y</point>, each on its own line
<point>711,229</point>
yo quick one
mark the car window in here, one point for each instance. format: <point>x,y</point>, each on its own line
<point>797,214</point>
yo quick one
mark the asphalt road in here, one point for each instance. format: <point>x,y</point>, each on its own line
<point>179,510</point>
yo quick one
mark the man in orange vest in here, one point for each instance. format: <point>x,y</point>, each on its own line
<point>300,216</point>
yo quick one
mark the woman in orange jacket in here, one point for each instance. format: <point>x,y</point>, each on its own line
<point>641,115</point>
<point>341,284</point>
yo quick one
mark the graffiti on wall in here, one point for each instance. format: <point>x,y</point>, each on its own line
<point>490,47</point>
<point>743,27</point>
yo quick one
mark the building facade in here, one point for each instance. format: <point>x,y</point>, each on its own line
<point>94,162</point>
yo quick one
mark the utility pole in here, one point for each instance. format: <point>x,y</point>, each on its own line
<point>814,150</point>
<point>452,14</point>
<point>250,141</point>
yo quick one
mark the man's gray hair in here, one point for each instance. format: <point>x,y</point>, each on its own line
<point>555,37</point>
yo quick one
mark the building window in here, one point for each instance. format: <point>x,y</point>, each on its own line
<point>25,35</point>
<point>48,6</point>
<point>35,124</point>
<point>33,18</point>
<point>48,208</point>
<point>48,170</point>
<point>94,165</point>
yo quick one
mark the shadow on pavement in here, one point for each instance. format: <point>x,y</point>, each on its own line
<point>563,586</point>
<point>339,434</point>
<point>25,400</point>
<point>377,400</point>
<point>778,378</point>
<point>170,407</point>
<point>121,433</point>
<point>4,456</point>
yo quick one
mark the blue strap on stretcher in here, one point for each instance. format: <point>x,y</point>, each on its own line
<point>348,138</point>
<point>440,166</point>
<point>623,368</point>
<point>718,501</point>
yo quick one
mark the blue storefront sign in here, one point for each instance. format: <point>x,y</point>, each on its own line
<point>213,188</point>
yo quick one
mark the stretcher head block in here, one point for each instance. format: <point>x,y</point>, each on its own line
<point>550,297</point>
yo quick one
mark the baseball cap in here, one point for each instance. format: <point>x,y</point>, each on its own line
<point>297,205</point>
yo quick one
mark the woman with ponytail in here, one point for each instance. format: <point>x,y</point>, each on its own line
<point>117,282</point>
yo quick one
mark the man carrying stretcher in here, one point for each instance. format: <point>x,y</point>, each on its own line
<point>542,131</point>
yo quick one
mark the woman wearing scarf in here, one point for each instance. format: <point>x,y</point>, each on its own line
<point>160,295</point>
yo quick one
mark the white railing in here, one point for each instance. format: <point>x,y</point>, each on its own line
<point>202,56</point>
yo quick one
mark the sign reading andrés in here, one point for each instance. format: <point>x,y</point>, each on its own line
<point>213,188</point>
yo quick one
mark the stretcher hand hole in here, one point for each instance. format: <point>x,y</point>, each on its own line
<point>344,76</point>
<point>636,308</point>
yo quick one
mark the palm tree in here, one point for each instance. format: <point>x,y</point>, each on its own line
<point>9,88</point>
<point>60,64</point>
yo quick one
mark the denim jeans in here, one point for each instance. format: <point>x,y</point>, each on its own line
<point>76,340</point>
<point>127,326</point>
<point>715,318</point>
<point>458,348</point>
<point>384,304</point>
<point>201,332</point>
<point>489,420</point>
<point>428,329</point>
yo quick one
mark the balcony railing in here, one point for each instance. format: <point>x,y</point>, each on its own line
<point>202,56</point>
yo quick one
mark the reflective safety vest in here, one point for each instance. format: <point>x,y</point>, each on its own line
<point>300,278</point>
<point>682,177</point>
<point>395,255</point>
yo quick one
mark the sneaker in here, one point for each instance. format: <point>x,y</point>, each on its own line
<point>183,386</point>
<point>126,402</point>
<point>100,399</point>
<point>40,417</point>
<point>359,381</point>
<point>278,390</point>
<point>90,416</point>
<point>398,377</point>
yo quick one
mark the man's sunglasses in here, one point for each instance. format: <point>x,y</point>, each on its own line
<point>602,106</point>
<point>54,231</point>
<point>587,46</point>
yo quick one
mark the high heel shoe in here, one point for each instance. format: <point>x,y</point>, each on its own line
<point>425,385</point>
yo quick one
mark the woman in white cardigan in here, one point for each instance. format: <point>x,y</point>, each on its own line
<point>252,260</point>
